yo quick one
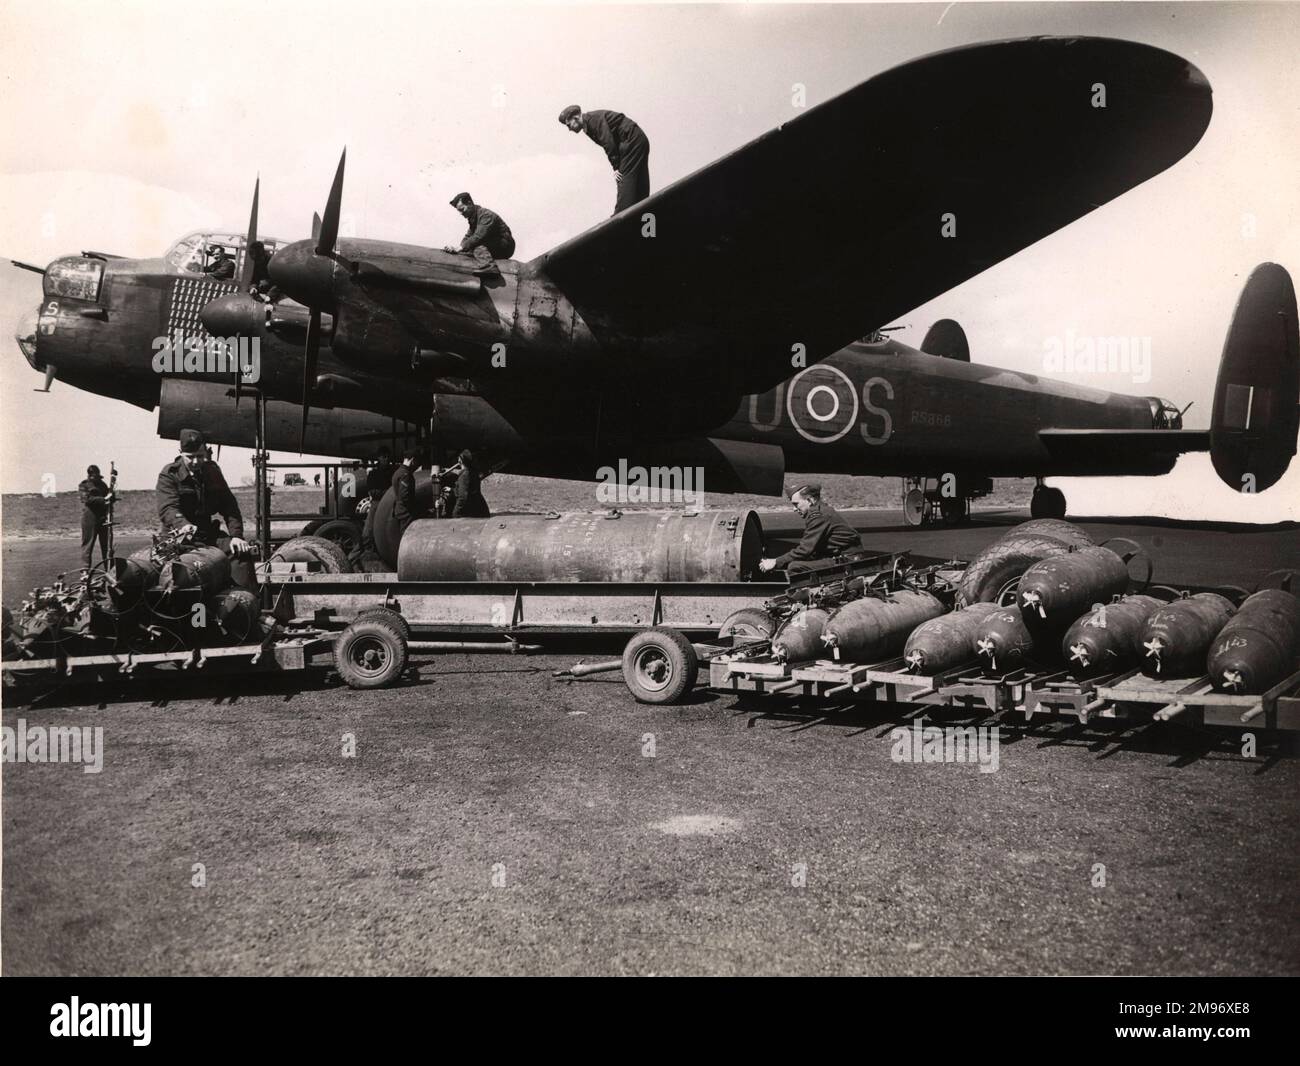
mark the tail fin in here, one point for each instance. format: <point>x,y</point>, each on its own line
<point>948,339</point>
<point>1257,396</point>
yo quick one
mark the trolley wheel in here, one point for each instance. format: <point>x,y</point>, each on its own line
<point>750,622</point>
<point>390,615</point>
<point>331,558</point>
<point>343,532</point>
<point>660,665</point>
<point>370,653</point>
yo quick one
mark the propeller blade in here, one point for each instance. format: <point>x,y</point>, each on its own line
<point>309,373</point>
<point>315,226</point>
<point>50,371</point>
<point>246,275</point>
<point>329,227</point>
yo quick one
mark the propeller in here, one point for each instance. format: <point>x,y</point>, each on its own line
<point>325,231</point>
<point>246,275</point>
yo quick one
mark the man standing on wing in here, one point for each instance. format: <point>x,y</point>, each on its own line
<point>626,148</point>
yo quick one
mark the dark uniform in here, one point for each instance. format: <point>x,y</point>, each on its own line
<point>628,151</point>
<point>94,510</point>
<point>379,478</point>
<point>825,534</point>
<point>488,237</point>
<point>469,496</point>
<point>192,496</point>
<point>406,508</point>
<point>222,268</point>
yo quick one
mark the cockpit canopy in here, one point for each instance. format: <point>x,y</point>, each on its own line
<point>190,254</point>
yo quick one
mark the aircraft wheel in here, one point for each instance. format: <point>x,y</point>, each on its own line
<point>953,510</point>
<point>331,558</point>
<point>660,665</point>
<point>915,507</point>
<point>749,623</point>
<point>370,653</point>
<point>346,534</point>
<point>1047,503</point>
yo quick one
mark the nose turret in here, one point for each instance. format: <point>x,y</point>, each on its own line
<point>26,337</point>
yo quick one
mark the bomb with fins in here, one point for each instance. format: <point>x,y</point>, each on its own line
<point>869,630</point>
<point>1054,592</point>
<point>799,638</point>
<point>946,641</point>
<point>1177,636</point>
<point>1002,640</point>
<point>1258,646</point>
<point>1109,637</point>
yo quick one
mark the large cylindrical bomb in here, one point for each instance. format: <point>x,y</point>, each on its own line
<point>237,614</point>
<point>1258,646</point>
<point>800,636</point>
<point>1177,636</point>
<point>201,567</point>
<point>1054,592</point>
<point>1054,529</point>
<point>1002,562</point>
<point>1109,637</point>
<point>869,630</point>
<point>946,641</point>
<point>1002,641</point>
<point>584,546</point>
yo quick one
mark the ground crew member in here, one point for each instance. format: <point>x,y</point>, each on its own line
<point>191,489</point>
<point>488,237</point>
<point>95,499</point>
<point>626,148</point>
<point>406,507</point>
<point>221,268</point>
<point>825,534</point>
<point>379,478</point>
<point>469,497</point>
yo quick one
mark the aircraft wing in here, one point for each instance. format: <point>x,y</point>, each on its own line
<point>864,207</point>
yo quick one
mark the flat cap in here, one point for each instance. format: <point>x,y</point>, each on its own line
<point>569,112</point>
<point>461,196</point>
<point>192,441</point>
<point>812,487</point>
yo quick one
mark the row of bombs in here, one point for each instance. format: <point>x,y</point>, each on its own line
<point>144,601</point>
<point>1070,607</point>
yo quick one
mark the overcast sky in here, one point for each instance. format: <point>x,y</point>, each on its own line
<point>125,125</point>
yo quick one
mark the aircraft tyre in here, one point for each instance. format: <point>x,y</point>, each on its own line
<point>342,531</point>
<point>953,510</point>
<point>749,622</point>
<point>915,507</point>
<point>329,555</point>
<point>1047,503</point>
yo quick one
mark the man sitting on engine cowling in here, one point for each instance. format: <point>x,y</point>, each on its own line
<point>825,534</point>
<point>191,489</point>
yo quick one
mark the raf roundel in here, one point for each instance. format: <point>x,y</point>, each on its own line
<point>822,404</point>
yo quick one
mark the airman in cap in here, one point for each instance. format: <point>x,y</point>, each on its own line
<point>826,533</point>
<point>626,147</point>
<point>191,489</point>
<point>95,498</point>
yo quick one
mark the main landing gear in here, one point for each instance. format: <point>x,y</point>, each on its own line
<point>945,499</point>
<point>1046,502</point>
